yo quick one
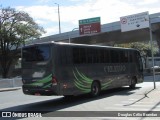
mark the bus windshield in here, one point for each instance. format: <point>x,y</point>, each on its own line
<point>36,53</point>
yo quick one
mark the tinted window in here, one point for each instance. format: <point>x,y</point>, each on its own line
<point>90,55</point>
<point>114,56</point>
<point>123,56</point>
<point>79,55</point>
<point>139,61</point>
<point>36,53</point>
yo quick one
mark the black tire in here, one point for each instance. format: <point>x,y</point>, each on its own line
<point>133,83</point>
<point>95,89</point>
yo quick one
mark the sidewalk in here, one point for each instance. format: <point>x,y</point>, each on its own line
<point>9,89</point>
<point>10,84</point>
<point>153,96</point>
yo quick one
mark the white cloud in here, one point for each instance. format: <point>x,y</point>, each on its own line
<point>145,2</point>
<point>41,22</point>
<point>44,1</point>
<point>75,0</point>
<point>50,31</point>
<point>109,11</point>
<point>40,12</point>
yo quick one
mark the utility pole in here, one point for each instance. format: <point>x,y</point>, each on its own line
<point>59,18</point>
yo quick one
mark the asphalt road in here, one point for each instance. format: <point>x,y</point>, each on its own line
<point>121,99</point>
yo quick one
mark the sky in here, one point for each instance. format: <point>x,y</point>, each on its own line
<point>45,12</point>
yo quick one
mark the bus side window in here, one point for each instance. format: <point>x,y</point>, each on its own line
<point>101,56</point>
<point>123,56</point>
<point>131,57</point>
<point>89,55</point>
<point>75,52</point>
<point>138,61</point>
<point>79,55</point>
<point>114,56</point>
<point>68,55</point>
<point>107,56</point>
<point>95,56</point>
<point>62,56</point>
<point>82,55</point>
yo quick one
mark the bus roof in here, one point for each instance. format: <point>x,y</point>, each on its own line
<point>81,45</point>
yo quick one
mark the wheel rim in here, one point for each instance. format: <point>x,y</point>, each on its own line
<point>95,90</point>
<point>133,82</point>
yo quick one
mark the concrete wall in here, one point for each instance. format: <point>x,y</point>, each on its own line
<point>8,83</point>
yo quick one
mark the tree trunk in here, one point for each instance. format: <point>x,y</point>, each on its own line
<point>5,64</point>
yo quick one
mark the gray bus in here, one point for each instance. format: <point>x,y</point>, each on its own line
<point>74,69</point>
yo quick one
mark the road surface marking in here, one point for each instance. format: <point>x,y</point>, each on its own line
<point>129,102</point>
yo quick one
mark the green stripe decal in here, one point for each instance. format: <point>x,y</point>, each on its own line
<point>83,83</point>
<point>47,85</point>
<point>105,85</point>
<point>83,77</point>
<point>44,83</point>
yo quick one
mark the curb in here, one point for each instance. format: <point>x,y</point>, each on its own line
<point>9,89</point>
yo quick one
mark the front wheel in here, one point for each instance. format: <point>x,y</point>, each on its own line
<point>133,83</point>
<point>95,89</point>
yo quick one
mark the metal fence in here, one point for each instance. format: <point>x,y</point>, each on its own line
<point>10,82</point>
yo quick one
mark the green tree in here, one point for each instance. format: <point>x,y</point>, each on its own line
<point>15,28</point>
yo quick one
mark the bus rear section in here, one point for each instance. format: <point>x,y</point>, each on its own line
<point>38,70</point>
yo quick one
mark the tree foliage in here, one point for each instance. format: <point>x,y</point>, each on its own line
<point>144,48</point>
<point>15,28</point>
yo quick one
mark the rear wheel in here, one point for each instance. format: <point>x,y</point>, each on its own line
<point>133,83</point>
<point>95,89</point>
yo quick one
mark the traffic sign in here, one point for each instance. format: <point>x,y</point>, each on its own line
<point>89,26</point>
<point>134,22</point>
